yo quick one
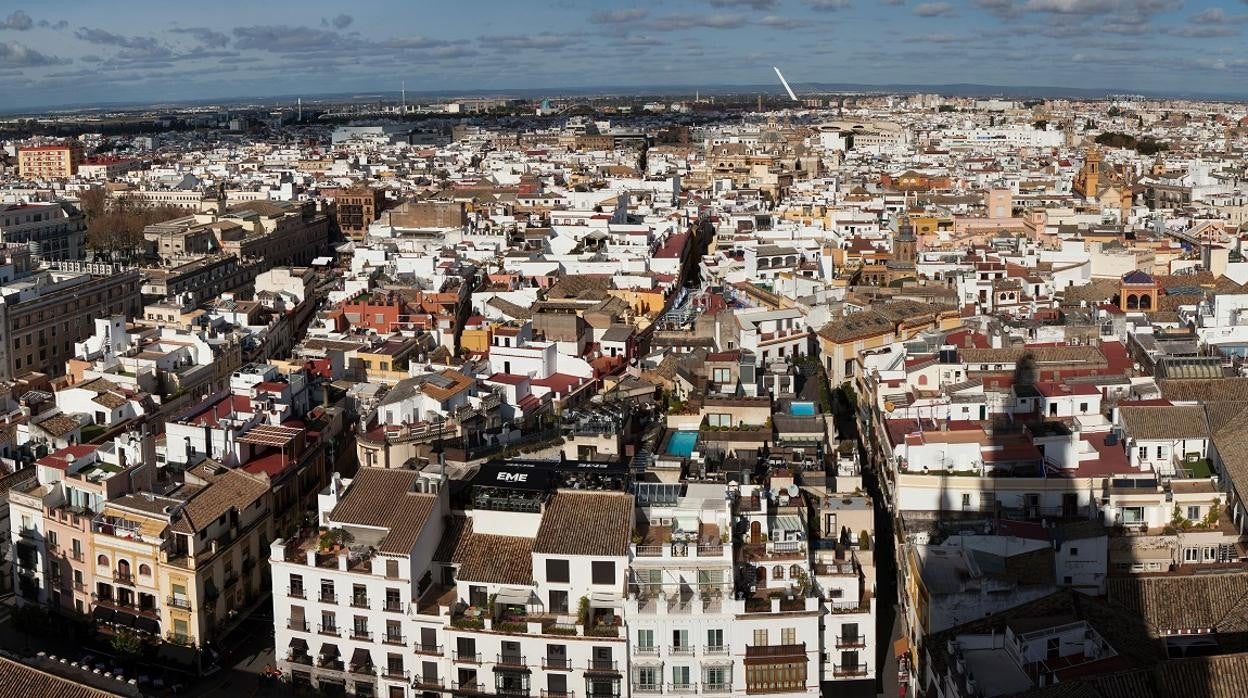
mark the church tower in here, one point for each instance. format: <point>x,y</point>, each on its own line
<point>904,242</point>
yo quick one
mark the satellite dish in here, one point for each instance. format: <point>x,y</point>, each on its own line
<point>889,406</point>
<point>792,490</point>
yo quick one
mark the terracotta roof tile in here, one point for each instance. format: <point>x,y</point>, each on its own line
<point>586,523</point>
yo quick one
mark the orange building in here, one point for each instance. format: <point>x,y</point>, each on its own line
<point>50,161</point>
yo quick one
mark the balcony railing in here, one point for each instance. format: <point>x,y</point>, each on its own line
<point>177,602</point>
<point>646,651</point>
<point>359,602</point>
<point>851,641</point>
<point>393,606</point>
<point>682,688</point>
<point>123,578</point>
<point>389,639</point>
<point>361,634</point>
<point>296,593</point>
<point>849,669</point>
<point>469,657</point>
<point>328,597</point>
<point>327,630</point>
<point>422,681</point>
<point>647,688</point>
<point>510,660</point>
<point>715,649</point>
<point>428,649</point>
<point>364,669</point>
<point>300,625</point>
<point>77,556</point>
<point>394,672</point>
<point>681,651</point>
<point>716,688</point>
<point>467,686</point>
<point>603,665</point>
<point>558,694</point>
<point>556,663</point>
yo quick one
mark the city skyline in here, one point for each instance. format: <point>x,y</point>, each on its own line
<point>60,53</point>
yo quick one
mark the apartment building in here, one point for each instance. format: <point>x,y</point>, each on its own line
<point>52,231</point>
<point>355,209</point>
<point>43,314</point>
<point>520,594</point>
<point>55,161</point>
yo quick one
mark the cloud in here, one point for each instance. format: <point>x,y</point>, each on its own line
<point>1216,15</point>
<point>18,21</point>
<point>204,35</point>
<point>527,42</point>
<point>414,42</point>
<point>682,22</point>
<point>760,5</point>
<point>778,22</point>
<point>15,55</point>
<point>933,9</point>
<point>58,25</point>
<point>107,38</point>
<point>284,39</point>
<point>827,4</point>
<point>1201,32</point>
<point>618,16</point>
<point>342,21</point>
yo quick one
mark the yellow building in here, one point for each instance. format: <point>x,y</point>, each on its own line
<point>50,161</point>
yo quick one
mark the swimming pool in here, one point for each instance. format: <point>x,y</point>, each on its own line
<point>802,409</point>
<point>681,443</point>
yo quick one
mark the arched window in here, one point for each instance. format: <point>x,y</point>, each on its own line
<point>795,571</point>
<point>1146,302</point>
<point>1133,302</point>
<point>123,568</point>
<point>102,560</point>
<point>777,572</point>
<point>145,570</point>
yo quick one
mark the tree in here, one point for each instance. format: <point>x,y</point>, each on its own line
<point>1114,111</point>
<point>126,643</point>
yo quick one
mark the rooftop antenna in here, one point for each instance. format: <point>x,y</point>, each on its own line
<point>403,92</point>
<point>786,84</point>
<point>301,110</point>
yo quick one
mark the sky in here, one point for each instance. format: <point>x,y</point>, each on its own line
<point>58,52</point>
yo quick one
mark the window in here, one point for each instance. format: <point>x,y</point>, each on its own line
<point>680,638</point>
<point>849,632</point>
<point>602,572</point>
<point>760,638</point>
<point>1074,552</point>
<point>145,570</point>
<point>557,571</point>
<point>1132,515</point>
<point>721,375</point>
<point>1143,451</point>
<point>556,684</point>
<point>394,600</point>
<point>102,560</point>
<point>558,601</point>
<point>328,623</point>
<point>716,678</point>
<point>645,639</point>
<point>715,637</point>
<point>1193,512</point>
<point>392,568</point>
<point>1159,451</point>
<point>1211,553</point>
<point>788,636</point>
<point>359,627</point>
<point>647,677</point>
<point>296,585</point>
<point>680,676</point>
<point>966,499</point>
<point>1083,407</point>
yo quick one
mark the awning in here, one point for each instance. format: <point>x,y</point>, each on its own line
<point>361,658</point>
<point>102,614</point>
<point>901,647</point>
<point>124,620</point>
<point>329,649</point>
<point>787,522</point>
<point>147,625</point>
<point>602,599</point>
<point>513,597</point>
<point>298,643</point>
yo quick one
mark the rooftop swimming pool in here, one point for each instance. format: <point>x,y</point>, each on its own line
<point>682,443</point>
<point>802,409</point>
